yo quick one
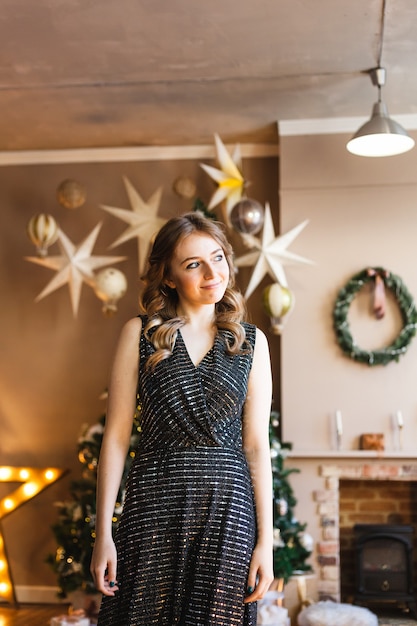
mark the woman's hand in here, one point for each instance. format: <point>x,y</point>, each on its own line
<point>261,573</point>
<point>103,567</point>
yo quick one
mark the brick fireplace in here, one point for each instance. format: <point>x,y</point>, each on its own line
<point>359,493</point>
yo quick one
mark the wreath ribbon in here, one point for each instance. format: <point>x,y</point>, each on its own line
<point>379,291</point>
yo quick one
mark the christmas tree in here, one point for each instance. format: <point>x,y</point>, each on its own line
<point>74,529</point>
<point>292,545</point>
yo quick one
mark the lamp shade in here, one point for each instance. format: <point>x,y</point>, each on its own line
<point>380,136</point>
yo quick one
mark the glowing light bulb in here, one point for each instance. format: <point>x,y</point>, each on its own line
<point>4,587</point>
<point>5,473</point>
<point>8,504</point>
<point>30,489</point>
<point>49,474</point>
<point>24,474</point>
<point>2,565</point>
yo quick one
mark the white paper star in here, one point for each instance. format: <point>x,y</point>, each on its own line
<point>143,219</point>
<point>229,178</point>
<point>270,253</point>
<point>74,266</point>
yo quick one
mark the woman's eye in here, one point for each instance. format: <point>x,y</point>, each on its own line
<point>192,265</point>
<point>219,257</point>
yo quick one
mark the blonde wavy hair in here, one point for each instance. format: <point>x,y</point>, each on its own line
<point>159,302</point>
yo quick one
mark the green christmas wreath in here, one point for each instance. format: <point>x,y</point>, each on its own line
<point>405,303</point>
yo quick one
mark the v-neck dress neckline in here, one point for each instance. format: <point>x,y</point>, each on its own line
<point>206,355</point>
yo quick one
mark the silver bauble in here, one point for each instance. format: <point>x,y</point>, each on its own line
<point>247,216</point>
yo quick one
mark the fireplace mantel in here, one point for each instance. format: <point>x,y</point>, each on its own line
<point>352,454</point>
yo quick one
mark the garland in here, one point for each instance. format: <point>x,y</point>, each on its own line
<point>405,303</point>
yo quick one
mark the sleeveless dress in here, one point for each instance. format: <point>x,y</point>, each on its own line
<point>188,528</point>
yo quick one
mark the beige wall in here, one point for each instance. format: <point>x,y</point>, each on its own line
<point>53,367</point>
<point>361,212</point>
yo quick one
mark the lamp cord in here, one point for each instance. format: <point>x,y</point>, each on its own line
<point>382,32</point>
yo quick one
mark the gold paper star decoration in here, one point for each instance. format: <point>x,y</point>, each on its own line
<point>75,266</point>
<point>34,481</point>
<point>143,221</point>
<point>229,177</point>
<point>270,253</point>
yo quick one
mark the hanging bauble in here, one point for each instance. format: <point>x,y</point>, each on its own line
<point>277,301</point>
<point>278,542</point>
<point>274,419</point>
<point>282,506</point>
<point>42,230</point>
<point>307,541</point>
<point>110,285</point>
<point>185,187</point>
<point>71,194</point>
<point>247,216</point>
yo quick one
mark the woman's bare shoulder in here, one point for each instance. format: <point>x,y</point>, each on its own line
<point>132,328</point>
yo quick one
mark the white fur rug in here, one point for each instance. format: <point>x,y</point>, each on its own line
<point>329,613</point>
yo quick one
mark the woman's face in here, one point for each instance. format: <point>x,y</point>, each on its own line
<point>199,270</point>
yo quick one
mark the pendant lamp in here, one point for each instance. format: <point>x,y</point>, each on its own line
<point>380,136</point>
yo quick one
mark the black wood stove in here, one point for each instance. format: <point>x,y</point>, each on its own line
<point>384,564</point>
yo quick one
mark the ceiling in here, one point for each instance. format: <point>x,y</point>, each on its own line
<point>84,73</point>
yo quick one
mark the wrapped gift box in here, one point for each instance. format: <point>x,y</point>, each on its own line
<point>70,620</point>
<point>298,591</point>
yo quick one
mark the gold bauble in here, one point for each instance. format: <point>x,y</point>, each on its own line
<point>184,187</point>
<point>277,302</point>
<point>71,194</point>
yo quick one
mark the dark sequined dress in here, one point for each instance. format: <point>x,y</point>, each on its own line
<point>188,526</point>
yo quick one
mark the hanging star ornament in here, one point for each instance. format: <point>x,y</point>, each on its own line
<point>270,254</point>
<point>229,177</point>
<point>75,266</point>
<point>143,221</point>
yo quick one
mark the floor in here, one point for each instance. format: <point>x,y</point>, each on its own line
<point>394,621</point>
<point>394,618</point>
<point>40,615</point>
<point>30,614</point>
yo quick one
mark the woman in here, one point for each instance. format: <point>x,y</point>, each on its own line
<point>194,544</point>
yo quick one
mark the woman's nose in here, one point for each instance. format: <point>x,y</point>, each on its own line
<point>208,271</point>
